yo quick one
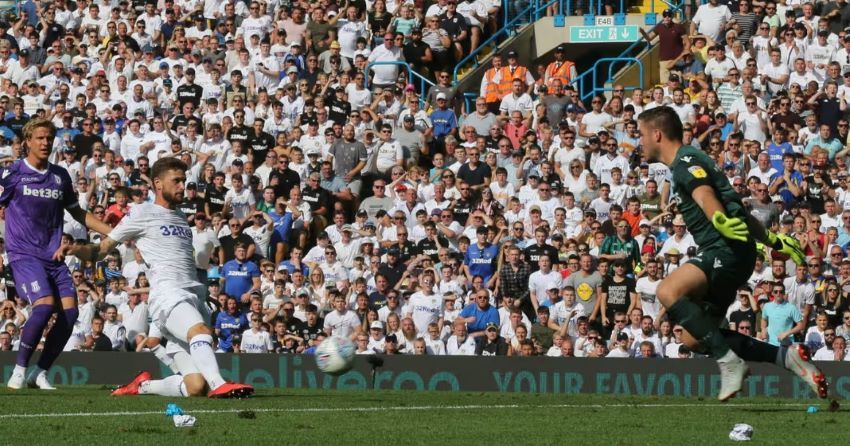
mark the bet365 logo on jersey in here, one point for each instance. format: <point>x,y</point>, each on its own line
<point>55,194</point>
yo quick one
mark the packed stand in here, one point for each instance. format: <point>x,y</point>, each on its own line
<point>530,224</point>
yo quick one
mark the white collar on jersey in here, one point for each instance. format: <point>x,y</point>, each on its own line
<point>42,172</point>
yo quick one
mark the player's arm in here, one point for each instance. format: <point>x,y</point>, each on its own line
<point>89,220</point>
<point>781,242</point>
<point>93,252</point>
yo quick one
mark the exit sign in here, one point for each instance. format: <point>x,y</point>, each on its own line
<point>603,34</point>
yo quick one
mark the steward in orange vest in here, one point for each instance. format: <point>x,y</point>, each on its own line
<point>560,69</point>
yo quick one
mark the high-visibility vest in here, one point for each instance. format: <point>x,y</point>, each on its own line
<point>493,91</point>
<point>561,73</point>
<point>506,85</point>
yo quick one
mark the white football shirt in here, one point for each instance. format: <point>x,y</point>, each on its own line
<point>165,241</point>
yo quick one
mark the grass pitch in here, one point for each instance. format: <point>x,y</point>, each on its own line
<point>87,415</point>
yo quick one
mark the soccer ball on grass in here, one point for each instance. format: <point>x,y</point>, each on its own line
<point>335,356</point>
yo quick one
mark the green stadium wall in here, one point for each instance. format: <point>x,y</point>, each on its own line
<point>670,377</point>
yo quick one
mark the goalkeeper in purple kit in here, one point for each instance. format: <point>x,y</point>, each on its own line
<point>36,194</point>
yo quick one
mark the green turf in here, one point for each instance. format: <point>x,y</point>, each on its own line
<point>430,418</point>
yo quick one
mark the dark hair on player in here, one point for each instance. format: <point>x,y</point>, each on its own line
<point>164,165</point>
<point>665,120</point>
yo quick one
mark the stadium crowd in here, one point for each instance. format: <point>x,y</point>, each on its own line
<point>326,199</point>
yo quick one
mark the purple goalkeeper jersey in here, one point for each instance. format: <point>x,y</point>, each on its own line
<point>35,202</point>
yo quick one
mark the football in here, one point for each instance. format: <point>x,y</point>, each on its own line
<point>335,356</point>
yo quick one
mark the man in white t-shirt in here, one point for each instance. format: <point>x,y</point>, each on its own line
<point>386,75</point>
<point>239,200</point>
<point>710,20</point>
<point>517,100</point>
<point>594,122</point>
<point>349,29</point>
<point>646,288</point>
<point>543,279</point>
<point>342,322</point>
<point>255,339</point>
<point>425,307</point>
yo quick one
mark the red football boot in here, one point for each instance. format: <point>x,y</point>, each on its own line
<point>133,387</point>
<point>231,390</point>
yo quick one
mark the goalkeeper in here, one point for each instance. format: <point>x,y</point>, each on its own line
<point>698,293</point>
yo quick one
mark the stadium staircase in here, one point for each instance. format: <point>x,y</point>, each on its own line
<point>607,50</point>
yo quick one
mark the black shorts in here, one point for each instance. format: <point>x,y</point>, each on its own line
<point>726,268</point>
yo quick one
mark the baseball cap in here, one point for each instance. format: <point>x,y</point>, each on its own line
<point>335,44</point>
<point>291,70</point>
<point>441,96</point>
<point>322,234</point>
<point>491,326</point>
<point>728,165</point>
<point>377,325</point>
<point>409,118</point>
<point>393,252</point>
<point>512,53</point>
<point>24,52</point>
<point>163,65</point>
<point>622,336</point>
<point>368,224</point>
<point>391,338</point>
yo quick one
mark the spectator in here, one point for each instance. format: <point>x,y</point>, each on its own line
<point>780,319</point>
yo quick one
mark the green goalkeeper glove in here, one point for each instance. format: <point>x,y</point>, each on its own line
<point>732,228</point>
<point>787,245</point>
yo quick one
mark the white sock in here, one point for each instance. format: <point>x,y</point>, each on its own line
<point>159,352</point>
<point>200,347</point>
<point>730,356</point>
<point>36,371</point>
<point>171,386</point>
<point>19,369</point>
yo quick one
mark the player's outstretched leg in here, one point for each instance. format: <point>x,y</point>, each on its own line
<point>186,323</point>
<point>796,358</point>
<point>53,347</point>
<point>186,381</point>
<point>702,329</point>
<point>30,337</point>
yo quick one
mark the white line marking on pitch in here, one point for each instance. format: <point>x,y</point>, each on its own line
<point>395,408</point>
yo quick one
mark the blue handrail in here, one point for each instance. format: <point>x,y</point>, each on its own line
<point>596,87</point>
<point>546,4</point>
<point>411,74</point>
<point>612,61</point>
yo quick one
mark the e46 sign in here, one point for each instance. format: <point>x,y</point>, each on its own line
<point>602,34</point>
